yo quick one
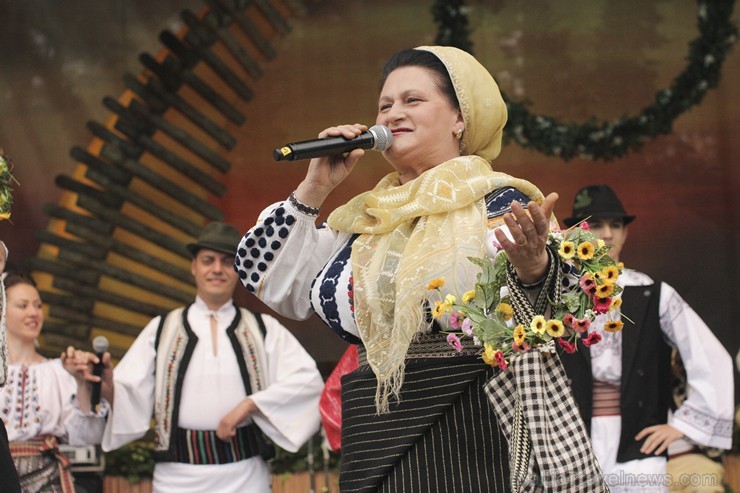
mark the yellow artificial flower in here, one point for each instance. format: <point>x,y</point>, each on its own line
<point>448,303</point>
<point>438,310</point>
<point>468,296</point>
<point>505,311</point>
<point>567,250</point>
<point>586,250</point>
<point>609,273</point>
<point>538,325</point>
<point>489,355</point>
<point>616,303</point>
<point>600,243</point>
<point>613,326</point>
<point>620,265</point>
<point>5,215</point>
<point>555,328</point>
<point>520,335</point>
<point>436,283</point>
<point>605,290</point>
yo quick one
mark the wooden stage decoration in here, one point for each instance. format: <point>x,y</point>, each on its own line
<point>113,255</point>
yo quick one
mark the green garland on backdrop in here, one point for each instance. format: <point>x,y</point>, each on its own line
<point>611,139</point>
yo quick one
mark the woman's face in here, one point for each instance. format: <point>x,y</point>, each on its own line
<point>423,122</point>
<point>24,317</point>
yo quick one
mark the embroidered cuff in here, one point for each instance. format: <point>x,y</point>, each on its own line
<point>306,209</point>
<point>102,412</point>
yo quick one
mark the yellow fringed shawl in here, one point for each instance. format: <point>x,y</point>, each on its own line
<point>409,235</point>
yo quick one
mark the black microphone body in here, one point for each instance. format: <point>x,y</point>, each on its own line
<point>100,346</point>
<point>376,138</point>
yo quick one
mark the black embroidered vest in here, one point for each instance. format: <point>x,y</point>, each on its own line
<point>645,391</point>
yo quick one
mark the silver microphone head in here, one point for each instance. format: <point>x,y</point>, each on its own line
<point>383,137</point>
<point>100,344</point>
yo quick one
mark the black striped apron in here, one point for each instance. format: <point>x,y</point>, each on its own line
<point>441,437</point>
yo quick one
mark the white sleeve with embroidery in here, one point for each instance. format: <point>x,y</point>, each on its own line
<point>278,259</point>
<point>289,406</point>
<point>706,416</point>
<point>79,428</point>
<point>133,399</point>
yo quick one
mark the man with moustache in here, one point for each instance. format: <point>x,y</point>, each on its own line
<point>223,383</point>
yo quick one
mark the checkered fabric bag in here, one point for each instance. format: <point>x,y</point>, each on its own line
<point>549,447</point>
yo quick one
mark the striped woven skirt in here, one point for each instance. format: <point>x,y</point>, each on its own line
<point>441,437</point>
<point>41,466</point>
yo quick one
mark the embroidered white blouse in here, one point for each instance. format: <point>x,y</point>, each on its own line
<point>705,417</point>
<point>40,399</point>
<point>297,269</point>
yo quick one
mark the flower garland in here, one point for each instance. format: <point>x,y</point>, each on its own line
<point>485,313</point>
<point>6,190</point>
<point>613,139</point>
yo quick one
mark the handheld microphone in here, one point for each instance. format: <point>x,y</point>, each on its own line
<point>376,138</point>
<point>100,345</point>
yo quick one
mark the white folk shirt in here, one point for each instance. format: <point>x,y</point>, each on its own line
<point>212,387</point>
<point>708,407</point>
<point>39,399</point>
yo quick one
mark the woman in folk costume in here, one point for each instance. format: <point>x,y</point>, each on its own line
<point>41,402</point>
<point>415,416</point>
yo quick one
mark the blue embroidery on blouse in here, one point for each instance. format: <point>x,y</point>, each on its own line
<point>329,290</point>
<point>499,201</point>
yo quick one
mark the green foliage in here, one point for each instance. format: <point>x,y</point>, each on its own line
<point>133,461</point>
<point>612,139</point>
<point>6,189</point>
<point>287,463</point>
<point>452,24</point>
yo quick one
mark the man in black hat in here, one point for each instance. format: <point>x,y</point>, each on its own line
<point>623,383</point>
<point>224,383</point>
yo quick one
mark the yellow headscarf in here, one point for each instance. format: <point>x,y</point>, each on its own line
<point>425,228</point>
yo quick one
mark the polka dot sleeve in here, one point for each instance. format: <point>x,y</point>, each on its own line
<point>278,258</point>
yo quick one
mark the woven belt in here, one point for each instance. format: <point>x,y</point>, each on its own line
<point>204,446</point>
<point>431,345</point>
<point>43,445</point>
<point>606,399</point>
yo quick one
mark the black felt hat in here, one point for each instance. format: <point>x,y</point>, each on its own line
<point>597,201</point>
<point>220,237</point>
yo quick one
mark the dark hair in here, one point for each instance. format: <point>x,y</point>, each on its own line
<point>424,59</point>
<point>14,277</point>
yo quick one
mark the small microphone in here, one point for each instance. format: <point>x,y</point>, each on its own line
<point>376,138</point>
<point>100,345</point>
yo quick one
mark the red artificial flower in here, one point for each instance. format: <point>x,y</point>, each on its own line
<point>581,324</point>
<point>591,339</point>
<point>588,284</point>
<point>454,341</point>
<point>601,305</point>
<point>501,362</point>
<point>567,346</point>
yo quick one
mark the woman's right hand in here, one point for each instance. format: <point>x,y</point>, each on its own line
<point>326,173</point>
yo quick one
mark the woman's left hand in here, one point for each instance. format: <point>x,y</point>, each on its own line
<point>529,232</point>
<point>78,363</point>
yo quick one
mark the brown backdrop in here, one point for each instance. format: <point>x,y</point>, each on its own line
<point>572,59</point>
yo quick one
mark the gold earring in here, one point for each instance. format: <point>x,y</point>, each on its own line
<point>459,134</point>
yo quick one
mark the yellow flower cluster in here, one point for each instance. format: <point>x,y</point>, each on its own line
<point>486,315</point>
<point>540,325</point>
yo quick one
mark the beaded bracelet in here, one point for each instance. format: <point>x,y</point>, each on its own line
<point>306,209</point>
